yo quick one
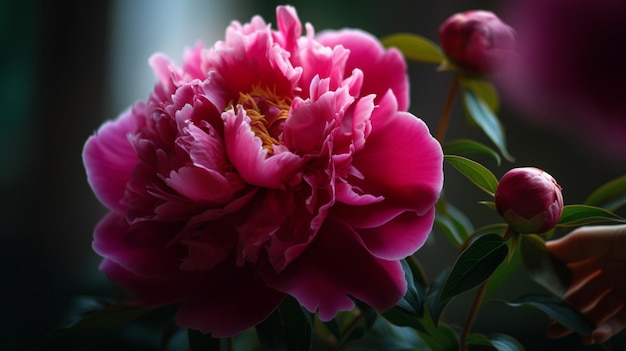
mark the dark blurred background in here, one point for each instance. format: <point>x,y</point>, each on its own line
<point>66,66</point>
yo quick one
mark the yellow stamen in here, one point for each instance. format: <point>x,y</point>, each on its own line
<point>266,111</point>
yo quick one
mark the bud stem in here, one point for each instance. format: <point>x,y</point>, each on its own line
<point>478,299</point>
<point>444,120</point>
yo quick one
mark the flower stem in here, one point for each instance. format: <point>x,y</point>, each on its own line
<point>478,299</point>
<point>444,120</point>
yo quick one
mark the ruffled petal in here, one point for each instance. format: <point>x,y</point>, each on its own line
<point>232,302</point>
<point>147,291</point>
<point>325,278</point>
<point>399,237</point>
<point>382,68</point>
<point>140,248</point>
<point>400,160</point>
<point>250,159</point>
<point>110,158</point>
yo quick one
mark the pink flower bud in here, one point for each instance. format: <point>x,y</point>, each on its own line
<point>529,199</point>
<point>477,42</point>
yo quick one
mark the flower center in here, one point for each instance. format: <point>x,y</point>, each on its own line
<point>267,112</point>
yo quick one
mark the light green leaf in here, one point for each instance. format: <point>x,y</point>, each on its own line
<point>610,196</point>
<point>577,215</point>
<point>485,118</point>
<point>471,269</point>
<point>543,267</point>
<point>475,172</point>
<point>466,147</point>
<point>563,313</point>
<point>287,328</point>
<point>484,91</point>
<point>415,47</point>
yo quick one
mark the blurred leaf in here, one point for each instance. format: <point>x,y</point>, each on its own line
<point>415,47</point>
<point>484,91</point>
<point>475,172</point>
<point>543,267</point>
<point>487,121</point>
<point>577,215</point>
<point>452,222</point>
<point>610,196</point>
<point>202,342</point>
<point>500,342</point>
<point>490,204</point>
<point>106,317</point>
<point>388,337</point>
<point>368,313</point>
<point>466,147</point>
<point>287,328</point>
<point>561,312</point>
<point>471,269</point>
<point>333,327</point>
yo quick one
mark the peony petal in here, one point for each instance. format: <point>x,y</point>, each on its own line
<point>401,160</point>
<point>249,158</point>
<point>147,291</point>
<point>198,184</point>
<point>110,158</point>
<point>231,301</point>
<point>400,237</point>
<point>335,268</point>
<point>307,127</point>
<point>140,248</point>
<point>382,69</point>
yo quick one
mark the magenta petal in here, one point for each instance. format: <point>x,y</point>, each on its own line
<point>401,160</point>
<point>400,237</point>
<point>382,69</point>
<point>232,302</point>
<point>334,268</point>
<point>147,291</point>
<point>110,158</point>
<point>251,161</point>
<point>140,248</point>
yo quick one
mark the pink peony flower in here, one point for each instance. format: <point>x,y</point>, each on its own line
<point>478,42</point>
<point>529,199</point>
<point>271,164</point>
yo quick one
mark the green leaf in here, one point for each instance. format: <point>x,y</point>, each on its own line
<point>484,90</point>
<point>413,300</point>
<point>403,318</point>
<point>466,147</point>
<point>202,342</point>
<point>480,112</point>
<point>415,47</point>
<point>287,328</point>
<point>475,172</point>
<point>610,196</point>
<point>500,342</point>
<point>563,313</point>
<point>452,222</point>
<point>577,215</point>
<point>543,267</point>
<point>471,269</point>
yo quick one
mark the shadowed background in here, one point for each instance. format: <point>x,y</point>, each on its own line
<point>65,67</point>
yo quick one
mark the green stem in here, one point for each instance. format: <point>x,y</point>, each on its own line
<point>478,299</point>
<point>444,120</point>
